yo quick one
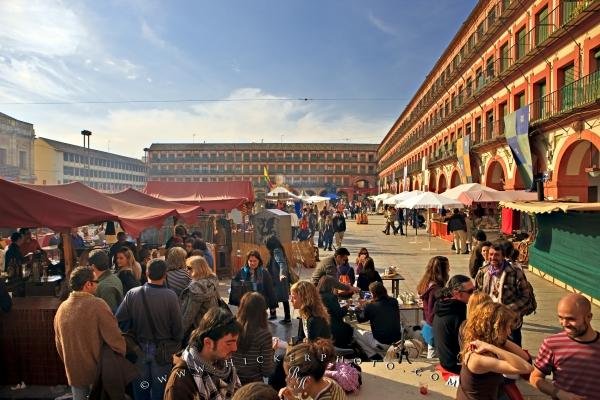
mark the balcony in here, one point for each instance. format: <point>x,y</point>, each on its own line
<point>580,93</point>
<point>534,41</point>
<point>494,131</point>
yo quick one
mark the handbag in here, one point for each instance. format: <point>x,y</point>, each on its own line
<point>238,290</point>
<point>164,348</point>
<point>133,351</point>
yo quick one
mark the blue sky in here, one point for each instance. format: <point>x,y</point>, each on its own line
<point>259,51</point>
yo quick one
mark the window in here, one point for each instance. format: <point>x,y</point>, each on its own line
<point>502,111</point>
<point>521,45</point>
<point>491,17</point>
<point>504,57</point>
<point>23,160</point>
<point>478,79</point>
<point>489,124</point>
<point>65,156</point>
<point>489,68</point>
<point>568,11</point>
<point>566,76</point>
<point>519,100</point>
<point>539,100</point>
<point>3,157</point>
<point>595,60</point>
<point>541,26</point>
<point>469,87</point>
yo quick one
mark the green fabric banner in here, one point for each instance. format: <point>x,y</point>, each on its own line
<point>567,247</point>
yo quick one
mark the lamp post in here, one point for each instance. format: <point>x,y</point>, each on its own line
<point>87,134</point>
<point>146,163</point>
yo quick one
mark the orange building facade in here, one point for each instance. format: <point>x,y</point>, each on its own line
<point>348,170</point>
<point>513,99</point>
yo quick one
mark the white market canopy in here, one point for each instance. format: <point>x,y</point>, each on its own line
<point>281,192</point>
<point>429,200</point>
<point>397,198</point>
<point>316,199</point>
<point>465,187</point>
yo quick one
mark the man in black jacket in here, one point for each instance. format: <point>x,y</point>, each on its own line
<point>384,315</point>
<point>449,312</point>
<point>339,227</point>
<point>457,226</point>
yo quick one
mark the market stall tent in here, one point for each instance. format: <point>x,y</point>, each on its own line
<point>567,244</point>
<point>99,207</point>
<point>208,195</point>
<point>189,213</point>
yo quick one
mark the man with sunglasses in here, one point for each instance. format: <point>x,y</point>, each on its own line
<point>83,323</point>
<point>449,312</point>
<point>204,369</point>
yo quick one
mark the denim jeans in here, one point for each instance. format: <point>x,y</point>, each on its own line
<point>80,392</point>
<point>153,377</point>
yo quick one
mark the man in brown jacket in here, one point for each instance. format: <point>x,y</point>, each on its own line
<point>83,323</point>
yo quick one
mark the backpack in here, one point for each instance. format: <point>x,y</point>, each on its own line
<point>531,306</point>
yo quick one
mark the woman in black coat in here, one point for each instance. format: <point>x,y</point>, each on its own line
<point>278,268</point>
<point>254,273</point>
<point>340,330</point>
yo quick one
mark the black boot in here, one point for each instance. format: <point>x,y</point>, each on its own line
<point>273,314</point>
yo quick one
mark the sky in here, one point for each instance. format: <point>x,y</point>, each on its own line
<point>137,72</point>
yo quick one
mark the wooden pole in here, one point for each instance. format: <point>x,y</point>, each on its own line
<point>68,253</point>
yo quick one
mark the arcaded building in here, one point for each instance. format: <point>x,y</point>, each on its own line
<point>514,98</point>
<point>16,149</point>
<point>348,170</point>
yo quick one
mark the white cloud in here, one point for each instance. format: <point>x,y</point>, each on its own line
<point>264,118</point>
<point>382,25</point>
<point>42,27</point>
<point>150,35</point>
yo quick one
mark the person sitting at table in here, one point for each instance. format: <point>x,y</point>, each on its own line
<point>29,245</point>
<point>383,313</point>
<point>368,275</point>
<point>13,257</point>
<point>125,271</point>
<point>363,253</point>
<point>340,330</point>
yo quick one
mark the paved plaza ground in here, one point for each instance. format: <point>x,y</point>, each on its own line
<point>379,382</point>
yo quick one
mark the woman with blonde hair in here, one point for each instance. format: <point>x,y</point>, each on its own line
<point>200,295</point>
<point>177,277</point>
<point>131,263</point>
<point>487,353</point>
<point>125,272</point>
<point>305,366</point>
<point>437,274</point>
<point>314,318</point>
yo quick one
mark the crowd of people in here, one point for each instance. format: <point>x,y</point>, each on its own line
<point>158,328</point>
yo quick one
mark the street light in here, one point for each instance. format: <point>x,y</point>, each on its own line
<point>86,133</point>
<point>146,150</point>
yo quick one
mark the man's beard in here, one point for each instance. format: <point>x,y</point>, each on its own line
<point>578,332</point>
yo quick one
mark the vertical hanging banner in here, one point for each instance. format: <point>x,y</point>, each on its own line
<point>517,136</point>
<point>460,156</point>
<point>404,182</point>
<point>467,158</point>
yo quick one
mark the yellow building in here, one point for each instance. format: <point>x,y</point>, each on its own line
<point>58,163</point>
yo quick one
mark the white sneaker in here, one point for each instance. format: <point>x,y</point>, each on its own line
<point>19,386</point>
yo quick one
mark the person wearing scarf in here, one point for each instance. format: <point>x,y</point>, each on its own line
<point>204,370</point>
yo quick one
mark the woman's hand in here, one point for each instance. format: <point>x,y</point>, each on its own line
<point>286,394</point>
<point>480,347</point>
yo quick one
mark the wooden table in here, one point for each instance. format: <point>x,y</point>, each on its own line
<point>412,307</point>
<point>396,278</point>
<point>27,345</point>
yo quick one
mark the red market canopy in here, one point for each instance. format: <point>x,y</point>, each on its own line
<point>209,195</point>
<point>61,207</point>
<point>188,212</point>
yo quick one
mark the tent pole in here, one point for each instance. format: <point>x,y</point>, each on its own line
<point>68,253</point>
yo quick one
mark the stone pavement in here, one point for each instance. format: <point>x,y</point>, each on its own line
<point>380,381</point>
